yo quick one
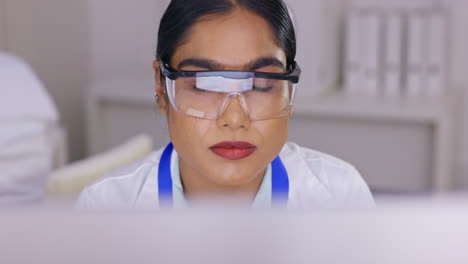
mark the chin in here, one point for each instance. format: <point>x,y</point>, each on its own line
<point>231,180</point>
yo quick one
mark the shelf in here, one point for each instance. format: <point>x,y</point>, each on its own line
<point>427,110</point>
<point>135,90</point>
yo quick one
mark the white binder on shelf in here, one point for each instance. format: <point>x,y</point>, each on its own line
<point>392,55</point>
<point>353,65</point>
<point>416,57</point>
<point>435,70</point>
<point>371,52</point>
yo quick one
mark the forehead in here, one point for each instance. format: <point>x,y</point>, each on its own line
<point>232,40</point>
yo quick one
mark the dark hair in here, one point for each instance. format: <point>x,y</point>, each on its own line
<point>182,14</point>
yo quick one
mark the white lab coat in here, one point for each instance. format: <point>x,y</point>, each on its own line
<point>315,180</point>
<point>27,114</point>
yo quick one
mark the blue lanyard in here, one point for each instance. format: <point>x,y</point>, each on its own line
<point>279,180</point>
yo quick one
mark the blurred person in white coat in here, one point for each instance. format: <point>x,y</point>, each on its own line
<point>27,115</point>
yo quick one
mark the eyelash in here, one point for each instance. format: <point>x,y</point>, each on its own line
<point>261,89</point>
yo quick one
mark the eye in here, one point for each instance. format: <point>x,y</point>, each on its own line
<point>262,89</point>
<point>263,85</point>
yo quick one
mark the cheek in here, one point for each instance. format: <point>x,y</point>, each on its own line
<point>187,132</point>
<point>274,134</point>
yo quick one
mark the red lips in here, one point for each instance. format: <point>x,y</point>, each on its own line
<point>233,150</point>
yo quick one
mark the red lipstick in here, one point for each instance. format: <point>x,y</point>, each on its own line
<point>233,150</point>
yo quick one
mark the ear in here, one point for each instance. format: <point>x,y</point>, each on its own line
<point>160,89</point>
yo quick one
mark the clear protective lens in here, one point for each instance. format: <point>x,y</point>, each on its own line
<point>207,97</point>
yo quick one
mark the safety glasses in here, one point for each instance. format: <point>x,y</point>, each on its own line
<point>207,94</point>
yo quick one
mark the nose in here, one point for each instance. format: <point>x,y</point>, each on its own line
<point>235,114</point>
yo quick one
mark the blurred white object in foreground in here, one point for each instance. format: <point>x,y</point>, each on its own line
<point>28,122</point>
<point>418,231</point>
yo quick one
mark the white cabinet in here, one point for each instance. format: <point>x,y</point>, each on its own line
<point>398,145</point>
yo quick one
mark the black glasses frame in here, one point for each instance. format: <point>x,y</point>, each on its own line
<point>293,75</point>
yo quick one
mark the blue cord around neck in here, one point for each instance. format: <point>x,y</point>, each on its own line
<point>279,180</point>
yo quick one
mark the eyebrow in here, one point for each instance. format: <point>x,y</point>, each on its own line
<point>264,62</point>
<point>212,65</point>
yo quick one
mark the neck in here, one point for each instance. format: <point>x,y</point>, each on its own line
<point>198,186</point>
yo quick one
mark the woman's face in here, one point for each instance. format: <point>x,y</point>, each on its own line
<point>228,42</point>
